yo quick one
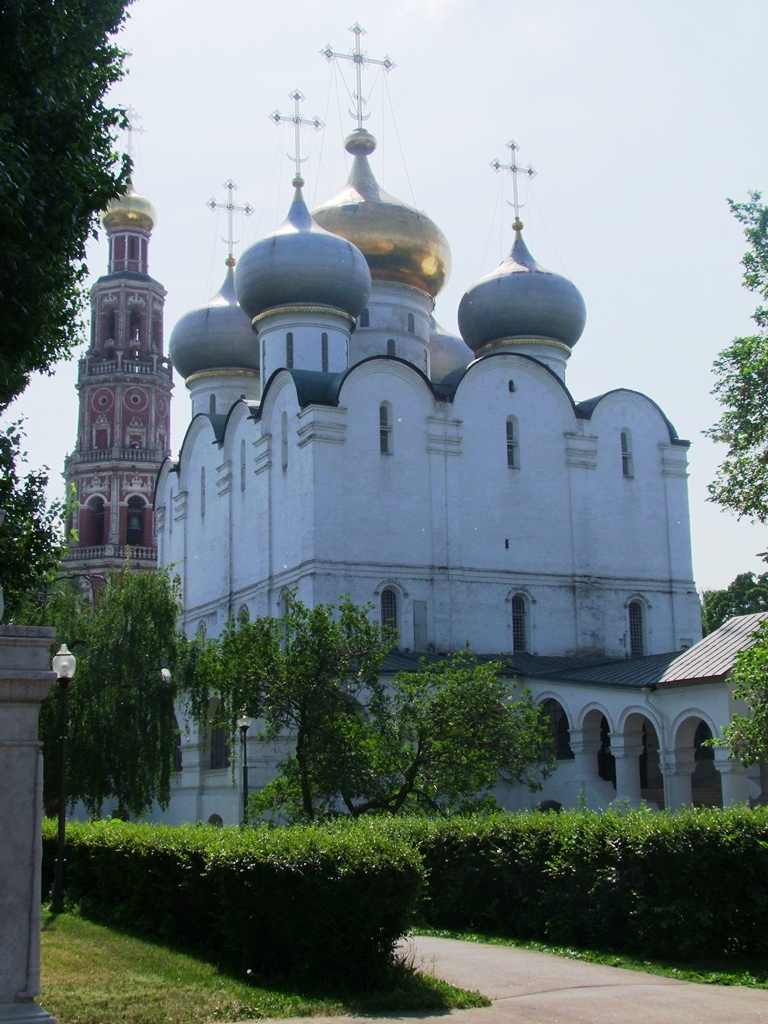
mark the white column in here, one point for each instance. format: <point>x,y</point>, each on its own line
<point>585,747</point>
<point>733,778</point>
<point>25,679</point>
<point>627,752</point>
<point>680,765</point>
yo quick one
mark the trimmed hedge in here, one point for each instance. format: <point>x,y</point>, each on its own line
<point>315,902</point>
<point>684,886</point>
<point>331,900</point>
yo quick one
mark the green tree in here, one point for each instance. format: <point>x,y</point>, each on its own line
<point>747,735</point>
<point>435,741</point>
<point>32,532</point>
<point>748,593</point>
<point>57,61</point>
<point>122,730</point>
<point>741,484</point>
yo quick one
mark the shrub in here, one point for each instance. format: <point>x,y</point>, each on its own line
<point>686,886</point>
<point>316,901</point>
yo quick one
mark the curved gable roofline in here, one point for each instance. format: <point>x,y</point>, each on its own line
<point>585,409</point>
<point>313,387</point>
<point>249,404</point>
<point>218,424</point>
<point>174,469</point>
<point>449,385</point>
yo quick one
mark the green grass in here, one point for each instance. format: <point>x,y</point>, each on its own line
<point>752,971</point>
<point>95,975</point>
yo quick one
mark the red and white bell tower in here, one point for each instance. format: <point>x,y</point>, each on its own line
<point>125,383</point>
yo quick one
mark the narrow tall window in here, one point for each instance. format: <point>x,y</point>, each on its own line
<point>284,440</point>
<point>389,607</point>
<point>636,629</point>
<point>97,519</point>
<point>133,248</point>
<point>365,318</point>
<point>242,465</point>
<point>177,765</point>
<point>626,454</point>
<point>391,347</point>
<point>289,350</point>
<point>513,444</point>
<point>411,324</point>
<point>324,352</point>
<point>519,625</point>
<point>385,429</point>
<point>134,533</point>
<point>202,492</point>
<point>212,404</point>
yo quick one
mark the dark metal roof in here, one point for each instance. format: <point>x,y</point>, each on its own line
<point>127,275</point>
<point>633,673</point>
<point>714,656</point>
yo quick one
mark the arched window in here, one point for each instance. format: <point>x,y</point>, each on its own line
<point>97,520</point>
<point>391,347</point>
<point>212,404</point>
<point>557,723</point>
<point>365,318</point>
<point>284,440</point>
<point>324,352</point>
<point>133,247</point>
<point>411,324</point>
<point>243,615</point>
<point>385,428</point>
<point>219,748</point>
<point>519,623</point>
<point>627,467</point>
<point>389,607</point>
<point>636,611</point>
<point>134,533</point>
<point>202,492</point>
<point>289,350</point>
<point>513,443</point>
<point>242,465</point>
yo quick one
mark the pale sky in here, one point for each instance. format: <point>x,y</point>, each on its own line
<point>640,117</point>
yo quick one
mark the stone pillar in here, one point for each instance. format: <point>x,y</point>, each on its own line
<point>25,679</point>
<point>626,752</point>
<point>585,747</point>
<point>680,766</point>
<point>733,778</point>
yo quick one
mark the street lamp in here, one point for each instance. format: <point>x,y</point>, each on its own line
<point>64,665</point>
<point>244,723</point>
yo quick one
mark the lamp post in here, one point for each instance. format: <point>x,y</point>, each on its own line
<point>244,724</point>
<point>64,665</point>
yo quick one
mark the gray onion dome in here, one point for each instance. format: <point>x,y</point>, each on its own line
<point>520,299</point>
<point>446,352</point>
<point>302,263</point>
<point>216,336</point>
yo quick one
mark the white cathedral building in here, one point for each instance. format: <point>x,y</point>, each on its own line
<point>342,442</point>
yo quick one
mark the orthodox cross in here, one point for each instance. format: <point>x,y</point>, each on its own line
<point>313,122</point>
<point>231,209</point>
<point>359,59</point>
<point>514,170</point>
<point>131,128</point>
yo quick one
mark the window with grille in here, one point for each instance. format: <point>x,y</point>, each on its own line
<point>513,444</point>
<point>284,440</point>
<point>212,404</point>
<point>219,748</point>
<point>627,468</point>
<point>389,608</point>
<point>519,624</point>
<point>636,629</point>
<point>324,352</point>
<point>411,324</point>
<point>391,347</point>
<point>365,318</point>
<point>202,492</point>
<point>289,350</point>
<point>385,429</point>
<point>242,465</point>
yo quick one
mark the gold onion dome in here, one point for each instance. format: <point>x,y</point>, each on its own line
<point>129,211</point>
<point>399,242</point>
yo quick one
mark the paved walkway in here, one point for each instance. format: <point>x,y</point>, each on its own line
<point>537,988</point>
